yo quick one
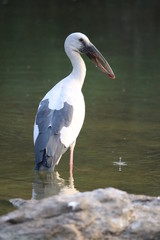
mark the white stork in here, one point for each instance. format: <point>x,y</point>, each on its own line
<point>61,112</point>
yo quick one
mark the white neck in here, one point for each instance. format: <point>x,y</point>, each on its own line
<point>79,68</point>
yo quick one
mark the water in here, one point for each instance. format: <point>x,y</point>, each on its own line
<point>122,115</point>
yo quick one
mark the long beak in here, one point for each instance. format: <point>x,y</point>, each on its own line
<point>92,52</point>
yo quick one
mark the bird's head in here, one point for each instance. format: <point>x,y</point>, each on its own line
<point>80,43</point>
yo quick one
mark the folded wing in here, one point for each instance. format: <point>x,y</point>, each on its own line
<point>47,131</point>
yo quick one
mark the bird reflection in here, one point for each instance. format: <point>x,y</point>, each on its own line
<point>47,184</point>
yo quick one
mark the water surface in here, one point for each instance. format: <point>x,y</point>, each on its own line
<point>122,115</point>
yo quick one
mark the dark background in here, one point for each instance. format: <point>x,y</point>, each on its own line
<point>122,116</point>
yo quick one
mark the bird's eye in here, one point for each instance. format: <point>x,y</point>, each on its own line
<point>81,40</point>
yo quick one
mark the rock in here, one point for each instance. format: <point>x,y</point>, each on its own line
<point>100,214</point>
<point>18,202</point>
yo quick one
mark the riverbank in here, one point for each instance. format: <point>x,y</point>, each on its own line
<point>100,214</point>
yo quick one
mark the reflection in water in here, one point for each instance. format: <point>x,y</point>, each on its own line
<point>47,184</point>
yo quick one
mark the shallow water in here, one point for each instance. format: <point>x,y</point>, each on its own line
<point>122,115</point>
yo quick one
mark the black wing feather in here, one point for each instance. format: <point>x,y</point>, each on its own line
<point>48,146</point>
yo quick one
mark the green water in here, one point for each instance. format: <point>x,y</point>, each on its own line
<point>122,115</point>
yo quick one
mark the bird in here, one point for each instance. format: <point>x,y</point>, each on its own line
<point>61,112</point>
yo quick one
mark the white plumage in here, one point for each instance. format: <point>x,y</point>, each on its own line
<point>61,112</point>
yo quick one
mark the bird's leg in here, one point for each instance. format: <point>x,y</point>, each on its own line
<point>71,158</point>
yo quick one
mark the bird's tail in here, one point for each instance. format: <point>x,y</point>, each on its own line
<point>48,162</point>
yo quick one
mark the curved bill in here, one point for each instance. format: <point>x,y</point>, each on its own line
<point>92,52</point>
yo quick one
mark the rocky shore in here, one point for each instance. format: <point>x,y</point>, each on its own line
<point>100,214</point>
